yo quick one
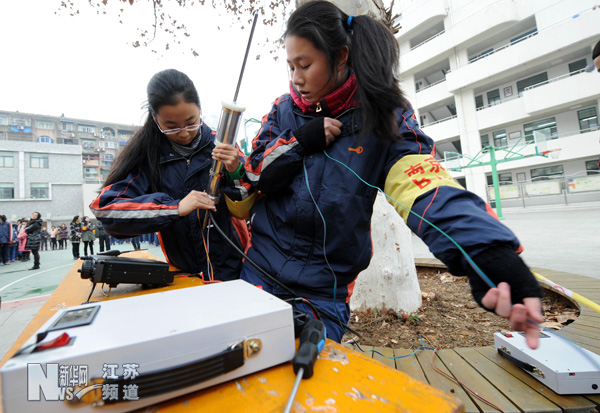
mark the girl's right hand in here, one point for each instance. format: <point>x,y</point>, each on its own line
<point>195,200</point>
<point>333,128</point>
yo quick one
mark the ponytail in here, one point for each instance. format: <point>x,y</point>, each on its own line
<point>142,149</point>
<point>374,56</point>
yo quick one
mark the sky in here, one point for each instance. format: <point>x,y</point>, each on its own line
<point>85,66</point>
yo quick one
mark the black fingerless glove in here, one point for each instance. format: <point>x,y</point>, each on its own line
<point>500,264</point>
<point>311,135</point>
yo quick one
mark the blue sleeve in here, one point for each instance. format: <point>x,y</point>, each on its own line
<point>276,153</point>
<point>128,207</point>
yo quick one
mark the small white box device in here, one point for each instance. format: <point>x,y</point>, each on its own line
<point>124,354</point>
<point>560,364</point>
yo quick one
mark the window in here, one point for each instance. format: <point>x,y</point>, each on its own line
<point>40,124</point>
<point>21,122</point>
<point>503,179</point>
<point>523,36</point>
<point>539,79</point>
<point>110,145</point>
<point>500,139</point>
<point>88,144</point>
<point>546,127</point>
<point>38,160</point>
<point>577,66</point>
<point>493,97</point>
<point>547,172</point>
<point>67,126</point>
<point>86,128</point>
<point>7,190</point>
<point>3,120</point>
<point>6,160</point>
<point>479,101</point>
<point>45,139</point>
<point>588,119</point>
<point>592,167</point>
<point>485,141</point>
<point>40,190</point>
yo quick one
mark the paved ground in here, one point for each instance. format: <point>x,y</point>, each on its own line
<point>23,292</point>
<point>564,239</point>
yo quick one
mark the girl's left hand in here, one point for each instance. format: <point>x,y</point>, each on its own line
<point>227,154</point>
<point>498,299</point>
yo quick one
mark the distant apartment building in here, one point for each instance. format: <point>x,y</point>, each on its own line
<point>46,163</point>
<point>510,74</point>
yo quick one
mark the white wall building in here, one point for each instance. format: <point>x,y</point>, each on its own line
<point>493,72</point>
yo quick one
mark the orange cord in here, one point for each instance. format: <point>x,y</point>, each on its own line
<point>211,272</point>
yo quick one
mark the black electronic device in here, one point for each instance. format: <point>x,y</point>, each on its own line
<point>113,270</point>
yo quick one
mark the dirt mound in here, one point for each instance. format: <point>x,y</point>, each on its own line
<point>448,318</point>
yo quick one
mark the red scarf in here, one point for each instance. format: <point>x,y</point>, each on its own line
<point>338,101</point>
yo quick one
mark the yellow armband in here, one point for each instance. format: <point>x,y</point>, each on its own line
<point>413,176</point>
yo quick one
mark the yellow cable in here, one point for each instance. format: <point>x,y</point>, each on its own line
<point>580,299</point>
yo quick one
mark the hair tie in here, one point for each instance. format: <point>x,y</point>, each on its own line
<point>349,22</point>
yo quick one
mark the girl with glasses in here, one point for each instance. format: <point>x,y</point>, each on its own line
<point>157,183</point>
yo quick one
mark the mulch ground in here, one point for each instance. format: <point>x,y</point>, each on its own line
<point>448,317</point>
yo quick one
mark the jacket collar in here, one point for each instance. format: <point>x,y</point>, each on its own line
<point>167,152</point>
<point>333,104</point>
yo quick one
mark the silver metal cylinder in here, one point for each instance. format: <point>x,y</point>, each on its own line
<point>226,133</point>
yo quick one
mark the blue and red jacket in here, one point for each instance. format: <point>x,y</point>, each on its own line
<point>129,208</point>
<point>314,212</point>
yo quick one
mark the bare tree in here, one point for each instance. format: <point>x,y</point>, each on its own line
<point>241,13</point>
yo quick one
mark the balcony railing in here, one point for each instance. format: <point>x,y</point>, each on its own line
<point>570,18</point>
<point>506,46</point>
<point>428,40</point>
<point>545,82</point>
<point>432,84</point>
<point>555,79</point>
<point>440,121</point>
<point>508,99</point>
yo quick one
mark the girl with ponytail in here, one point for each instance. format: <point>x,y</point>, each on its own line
<point>311,226</point>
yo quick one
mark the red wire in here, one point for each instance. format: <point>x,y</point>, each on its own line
<point>462,384</point>
<point>311,309</point>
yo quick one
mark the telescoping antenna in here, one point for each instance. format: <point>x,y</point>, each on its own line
<point>228,126</point>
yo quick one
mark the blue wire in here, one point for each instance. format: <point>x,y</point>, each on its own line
<point>324,243</point>
<point>469,260</point>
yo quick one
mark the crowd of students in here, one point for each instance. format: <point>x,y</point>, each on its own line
<point>18,243</point>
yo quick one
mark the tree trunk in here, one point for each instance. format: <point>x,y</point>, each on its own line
<point>390,281</point>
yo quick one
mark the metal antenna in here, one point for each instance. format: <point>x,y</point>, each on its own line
<point>237,89</point>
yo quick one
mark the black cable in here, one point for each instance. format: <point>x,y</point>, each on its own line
<point>273,279</point>
<point>243,254</point>
<point>91,292</point>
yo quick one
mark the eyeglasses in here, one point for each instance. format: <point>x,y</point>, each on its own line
<point>189,128</point>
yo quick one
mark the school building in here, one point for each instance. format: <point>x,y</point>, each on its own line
<point>510,74</point>
<point>54,165</point>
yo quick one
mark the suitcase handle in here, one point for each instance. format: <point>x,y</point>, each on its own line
<point>504,353</point>
<point>169,379</point>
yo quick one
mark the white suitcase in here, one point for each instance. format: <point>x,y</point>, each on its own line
<point>124,354</point>
<point>560,364</point>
